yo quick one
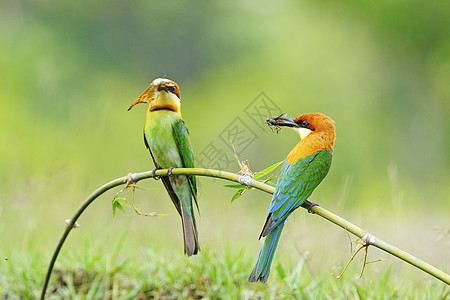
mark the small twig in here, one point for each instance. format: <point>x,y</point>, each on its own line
<point>364,243</point>
<point>351,242</point>
<point>132,202</point>
<point>366,252</point>
<point>349,261</point>
<point>375,261</point>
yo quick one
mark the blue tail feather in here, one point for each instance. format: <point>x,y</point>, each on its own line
<point>262,268</point>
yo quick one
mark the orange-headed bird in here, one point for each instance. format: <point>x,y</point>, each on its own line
<point>304,168</point>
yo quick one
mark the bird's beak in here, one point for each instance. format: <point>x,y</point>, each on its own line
<point>163,87</point>
<point>282,120</point>
<point>146,96</point>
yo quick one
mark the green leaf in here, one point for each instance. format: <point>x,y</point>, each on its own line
<point>117,203</point>
<point>280,271</point>
<point>362,293</point>
<point>239,194</point>
<point>243,188</point>
<point>235,196</point>
<point>267,170</point>
<point>234,186</point>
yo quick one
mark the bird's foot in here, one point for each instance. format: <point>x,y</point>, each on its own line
<point>154,176</point>
<point>309,205</point>
<point>169,171</point>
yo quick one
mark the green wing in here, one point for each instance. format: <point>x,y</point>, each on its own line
<point>181,136</point>
<point>295,184</point>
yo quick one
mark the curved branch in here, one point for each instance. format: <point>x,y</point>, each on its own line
<point>246,180</point>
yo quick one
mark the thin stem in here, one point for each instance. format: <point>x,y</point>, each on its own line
<point>246,180</point>
<point>70,225</point>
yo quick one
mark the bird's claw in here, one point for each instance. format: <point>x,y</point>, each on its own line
<point>169,171</point>
<point>309,205</point>
<point>154,176</point>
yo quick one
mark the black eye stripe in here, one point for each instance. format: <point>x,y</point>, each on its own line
<point>305,124</point>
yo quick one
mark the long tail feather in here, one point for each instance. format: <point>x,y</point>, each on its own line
<point>190,235</point>
<point>262,268</point>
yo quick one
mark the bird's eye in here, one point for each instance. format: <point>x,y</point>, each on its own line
<point>171,88</point>
<point>303,123</point>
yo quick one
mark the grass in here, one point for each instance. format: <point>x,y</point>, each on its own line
<point>210,275</point>
<point>105,259</point>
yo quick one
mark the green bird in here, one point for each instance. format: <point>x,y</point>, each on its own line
<point>167,139</point>
<point>304,168</point>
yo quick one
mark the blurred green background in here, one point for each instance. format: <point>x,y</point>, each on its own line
<point>380,69</point>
